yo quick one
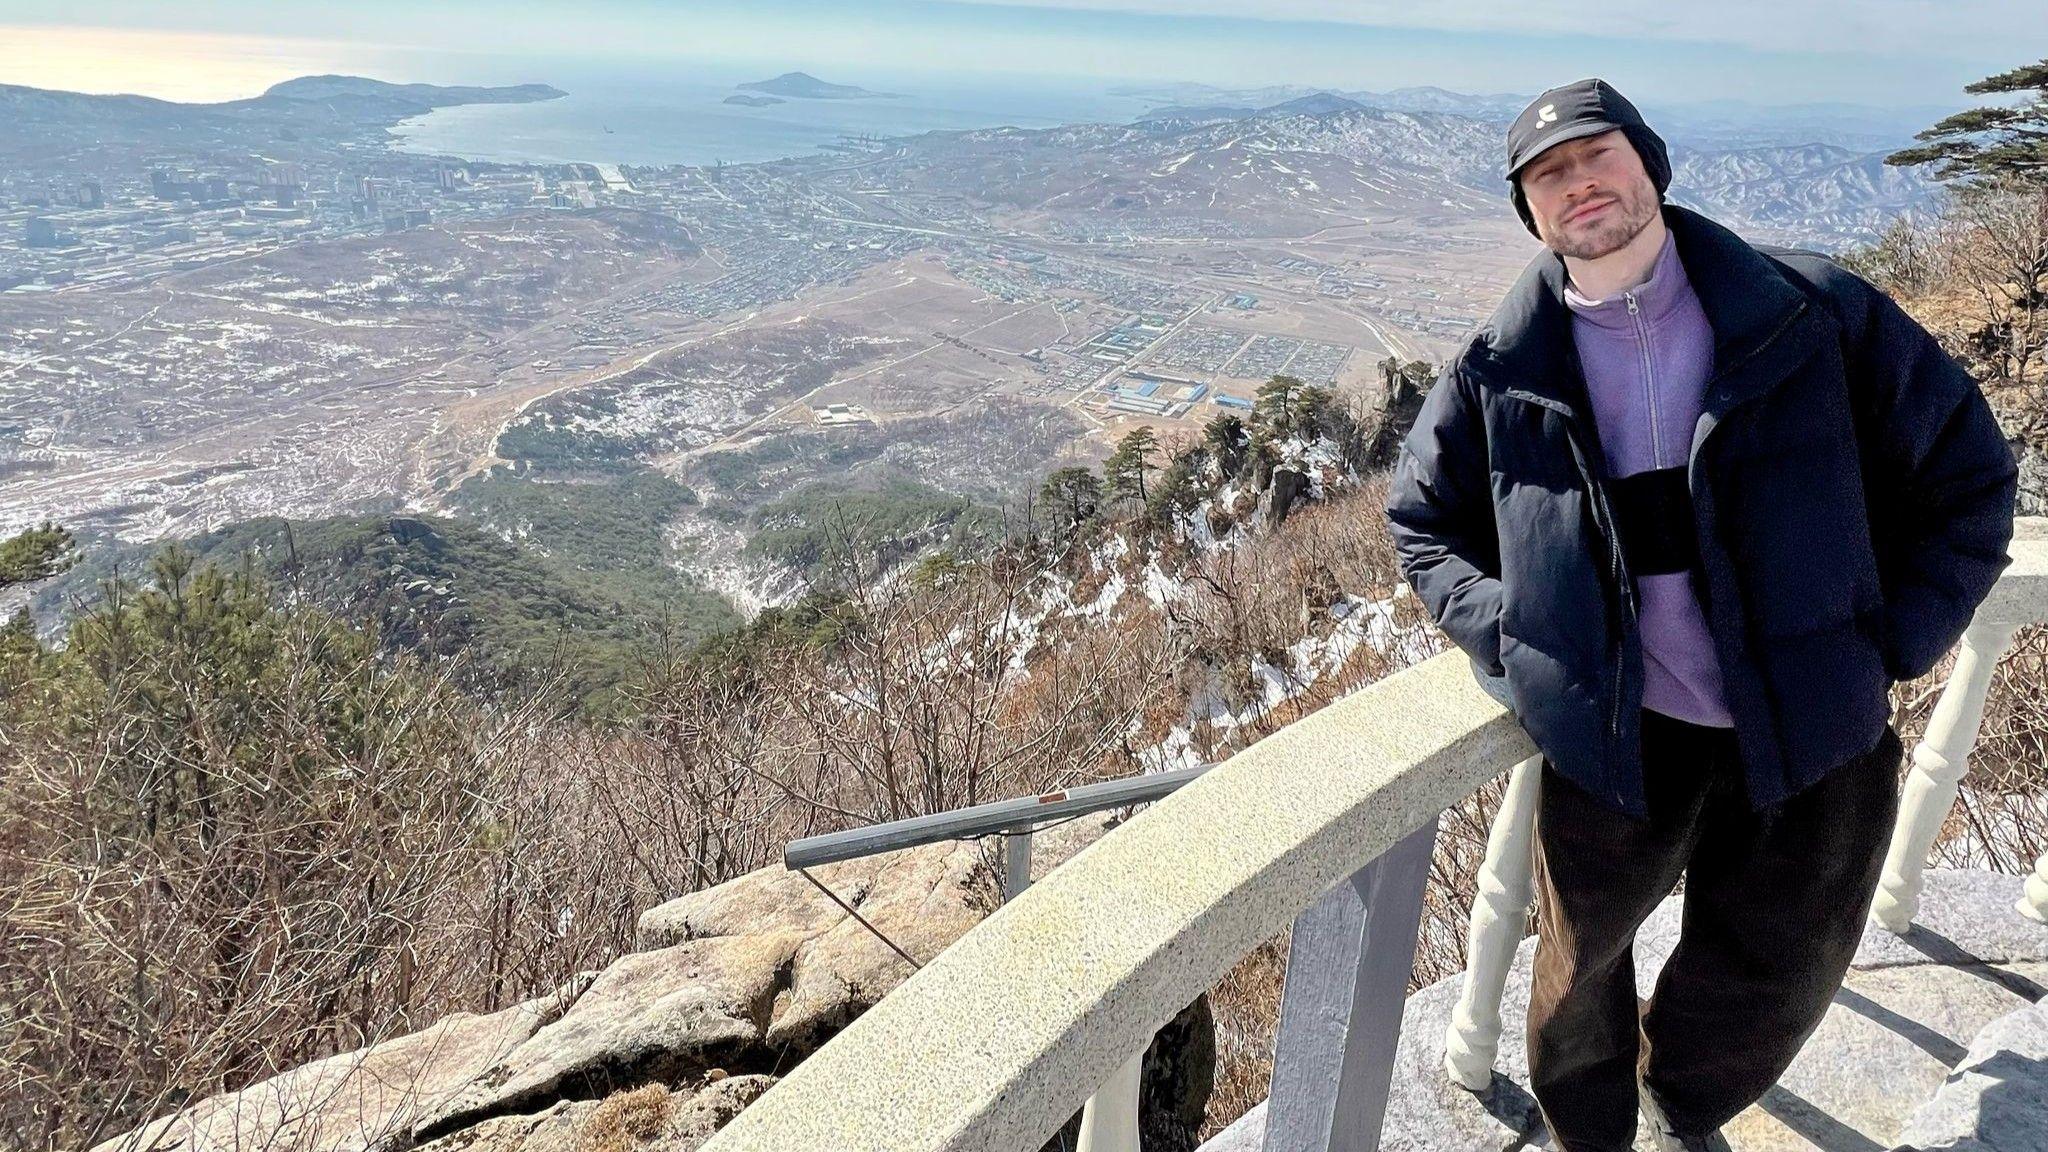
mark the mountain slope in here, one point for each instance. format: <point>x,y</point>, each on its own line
<point>424,95</point>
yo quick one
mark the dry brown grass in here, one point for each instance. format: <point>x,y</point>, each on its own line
<point>627,1121</point>
<point>1246,1007</point>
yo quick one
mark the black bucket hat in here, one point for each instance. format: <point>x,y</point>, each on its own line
<point>1581,108</point>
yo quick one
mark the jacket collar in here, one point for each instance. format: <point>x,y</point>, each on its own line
<point>1658,296</point>
<point>1525,348</point>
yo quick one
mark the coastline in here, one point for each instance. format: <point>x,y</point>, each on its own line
<point>689,124</point>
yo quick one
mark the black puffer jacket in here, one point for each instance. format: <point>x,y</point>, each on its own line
<point>1852,498</point>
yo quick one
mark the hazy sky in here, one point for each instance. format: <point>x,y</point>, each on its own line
<point>1887,52</point>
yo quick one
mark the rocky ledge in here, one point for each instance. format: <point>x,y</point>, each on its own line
<point>730,988</point>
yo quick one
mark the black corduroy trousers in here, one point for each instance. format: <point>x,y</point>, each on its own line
<point>1774,906</point>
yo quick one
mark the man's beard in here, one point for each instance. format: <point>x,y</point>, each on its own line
<point>1628,215</point>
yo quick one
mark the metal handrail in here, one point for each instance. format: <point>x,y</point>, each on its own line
<point>1109,1118</point>
<point>985,819</point>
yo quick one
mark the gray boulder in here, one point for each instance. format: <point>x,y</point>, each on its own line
<point>1288,487</point>
<point>357,1100</point>
<point>749,976</point>
<point>1997,1098</point>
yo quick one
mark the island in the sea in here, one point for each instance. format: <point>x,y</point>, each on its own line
<point>804,86</point>
<point>754,101</point>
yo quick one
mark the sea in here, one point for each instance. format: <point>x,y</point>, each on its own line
<point>679,116</point>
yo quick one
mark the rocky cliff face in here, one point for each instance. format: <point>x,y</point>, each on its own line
<point>730,988</point>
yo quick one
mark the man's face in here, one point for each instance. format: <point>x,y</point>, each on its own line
<point>1589,196</point>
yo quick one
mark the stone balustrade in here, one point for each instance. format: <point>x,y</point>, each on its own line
<point>997,1042</point>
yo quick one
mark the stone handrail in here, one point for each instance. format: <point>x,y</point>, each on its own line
<point>995,1043</point>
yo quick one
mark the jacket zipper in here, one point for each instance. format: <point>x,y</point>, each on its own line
<point>1649,379</point>
<point>1617,573</point>
<point>1620,577</point>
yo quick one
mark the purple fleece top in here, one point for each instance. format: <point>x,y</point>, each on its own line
<point>1647,353</point>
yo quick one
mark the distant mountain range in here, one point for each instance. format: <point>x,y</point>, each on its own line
<point>1808,188</point>
<point>804,86</point>
<point>1204,101</point>
<point>1313,104</point>
<point>310,104</point>
<point>1814,171</point>
<point>1324,153</point>
<point>1704,124</point>
<point>357,92</point>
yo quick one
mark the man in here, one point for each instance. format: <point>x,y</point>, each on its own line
<point>1692,506</point>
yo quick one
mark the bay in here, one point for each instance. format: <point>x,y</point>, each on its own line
<point>648,117</point>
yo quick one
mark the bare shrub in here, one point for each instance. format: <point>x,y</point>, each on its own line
<point>226,840</point>
<point>626,1121</point>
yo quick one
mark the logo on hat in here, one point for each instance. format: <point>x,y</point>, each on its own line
<point>1547,114</point>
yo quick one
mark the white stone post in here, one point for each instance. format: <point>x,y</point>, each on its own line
<point>1500,911</point>
<point>1939,761</point>
<point>1109,1121</point>
<point>2034,905</point>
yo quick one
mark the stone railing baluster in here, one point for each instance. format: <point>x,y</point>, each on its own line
<point>1500,912</point>
<point>1939,761</point>
<point>2034,904</point>
<point>1109,1121</point>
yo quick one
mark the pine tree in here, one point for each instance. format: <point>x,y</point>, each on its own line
<point>1273,411</point>
<point>35,554</point>
<point>1071,497</point>
<point>1178,491</point>
<point>1125,469</point>
<point>1990,145</point>
<point>1226,439</point>
<point>1312,404</point>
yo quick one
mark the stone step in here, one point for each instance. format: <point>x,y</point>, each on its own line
<point>1908,1013</point>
